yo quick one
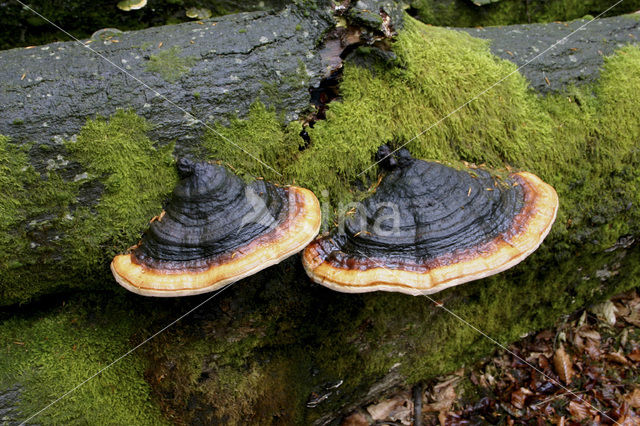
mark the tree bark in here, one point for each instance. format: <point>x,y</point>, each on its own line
<point>49,92</point>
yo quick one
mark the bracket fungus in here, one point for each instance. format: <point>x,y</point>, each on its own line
<point>216,230</point>
<point>429,227</point>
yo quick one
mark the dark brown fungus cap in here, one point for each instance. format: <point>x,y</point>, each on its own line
<point>429,227</point>
<point>216,230</point>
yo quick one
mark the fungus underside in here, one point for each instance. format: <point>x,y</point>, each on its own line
<point>281,327</point>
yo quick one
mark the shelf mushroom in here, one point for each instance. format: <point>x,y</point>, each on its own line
<point>216,230</point>
<point>429,227</point>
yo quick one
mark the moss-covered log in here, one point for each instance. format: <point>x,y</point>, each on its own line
<point>212,69</point>
<point>278,346</point>
<point>275,348</point>
<point>472,13</point>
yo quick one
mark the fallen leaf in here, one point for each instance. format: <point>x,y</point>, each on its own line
<point>355,419</point>
<point>592,348</point>
<point>518,398</point>
<point>381,410</point>
<point>635,355</point>
<point>545,335</point>
<point>633,318</point>
<point>605,311</point>
<point>588,333</point>
<point>563,365</point>
<point>617,357</point>
<point>624,336</point>
<point>578,411</point>
<point>633,398</point>
<point>443,400</point>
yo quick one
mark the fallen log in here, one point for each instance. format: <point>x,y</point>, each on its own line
<point>276,348</point>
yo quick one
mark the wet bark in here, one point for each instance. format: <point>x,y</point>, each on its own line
<point>48,92</point>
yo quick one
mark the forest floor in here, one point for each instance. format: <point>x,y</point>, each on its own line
<point>585,370</point>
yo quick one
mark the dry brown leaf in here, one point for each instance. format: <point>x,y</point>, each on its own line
<point>588,333</point>
<point>383,409</point>
<point>545,335</point>
<point>578,341</point>
<point>355,419</point>
<point>518,398</point>
<point>533,357</point>
<point>617,357</point>
<point>633,318</point>
<point>403,415</point>
<point>443,400</point>
<point>442,418</point>
<point>623,309</point>
<point>635,355</point>
<point>628,420</point>
<point>592,348</point>
<point>606,311</point>
<point>560,421</point>
<point>579,411</point>
<point>633,398</point>
<point>563,365</point>
<point>450,381</point>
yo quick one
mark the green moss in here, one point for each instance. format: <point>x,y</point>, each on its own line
<point>463,13</point>
<point>50,353</point>
<point>44,224</point>
<point>584,142</point>
<point>507,127</point>
<point>136,178</point>
<point>30,207</point>
<point>262,136</point>
<point>169,65</point>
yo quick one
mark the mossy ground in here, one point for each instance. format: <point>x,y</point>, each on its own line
<point>260,349</point>
<point>463,13</point>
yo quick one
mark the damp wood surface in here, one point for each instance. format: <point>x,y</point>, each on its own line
<point>213,69</point>
<point>275,348</point>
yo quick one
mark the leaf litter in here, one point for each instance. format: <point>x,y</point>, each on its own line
<point>586,372</point>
